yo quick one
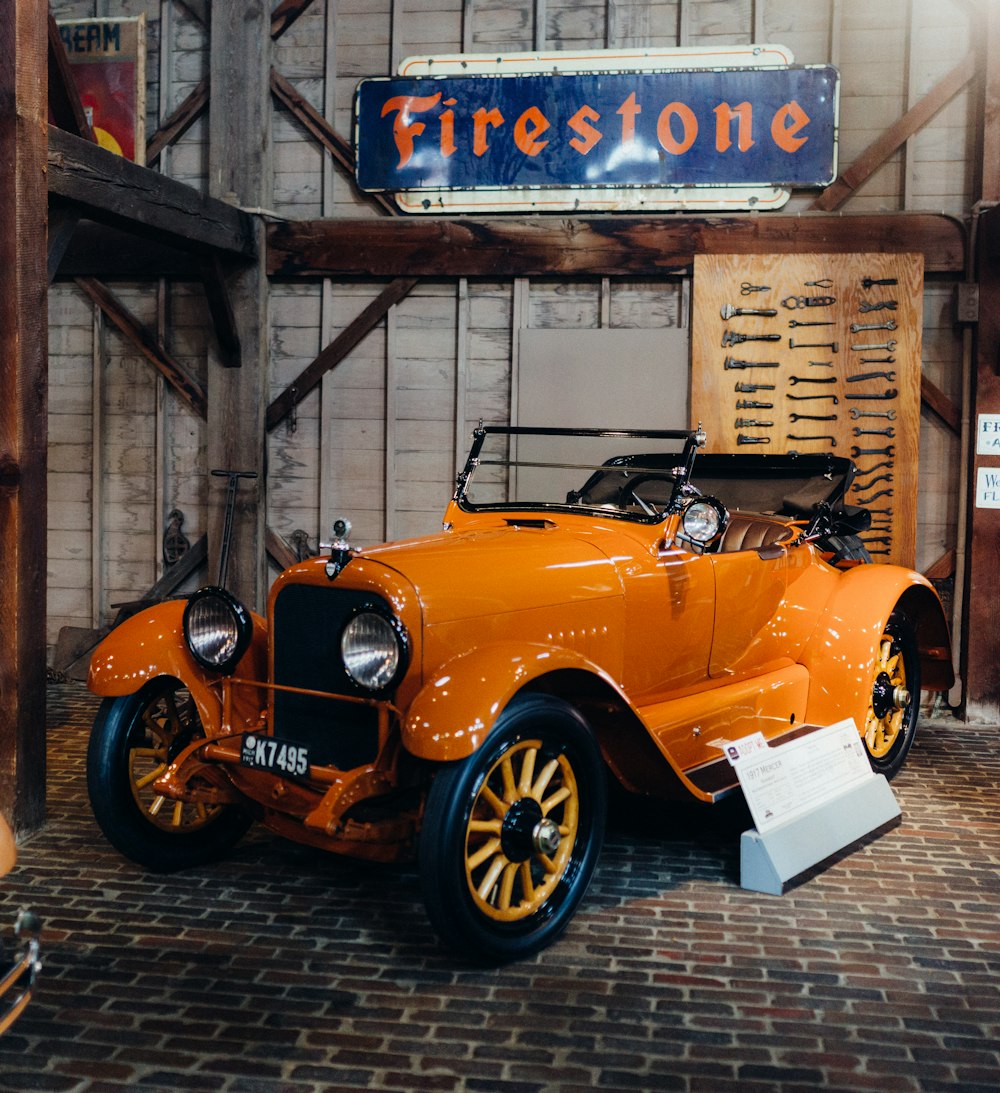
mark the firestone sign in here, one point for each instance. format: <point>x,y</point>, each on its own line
<point>677,129</point>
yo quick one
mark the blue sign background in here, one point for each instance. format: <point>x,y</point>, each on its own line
<point>643,161</point>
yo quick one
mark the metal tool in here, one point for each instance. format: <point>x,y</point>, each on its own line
<point>227,529</point>
<point>742,438</point>
<point>793,380</point>
<point>832,346</point>
<point>875,467</point>
<point>875,496</point>
<point>890,394</point>
<point>730,312</point>
<point>861,377</point>
<point>808,301</point>
<point>856,328</point>
<point>884,539</point>
<point>890,449</point>
<point>877,305</point>
<point>888,346</point>
<point>868,282</point>
<point>746,288</point>
<point>813,398</point>
<point>859,488</point>
<point>888,511</point>
<point>825,283</point>
<point>751,423</point>
<point>793,323</point>
<point>832,439</point>
<point>878,360</point>
<point>734,337</point>
<point>890,432</point>
<point>750,388</point>
<point>732,362</point>
<point>753,404</point>
<point>811,417</point>
<point>889,414</point>
<point>821,364</point>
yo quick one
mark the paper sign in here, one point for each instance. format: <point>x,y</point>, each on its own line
<point>785,782</point>
<point>988,488</point>
<point>988,434</point>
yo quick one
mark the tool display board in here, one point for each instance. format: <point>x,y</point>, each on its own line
<point>830,362</point>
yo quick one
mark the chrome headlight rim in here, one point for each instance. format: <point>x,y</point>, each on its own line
<point>697,508</point>
<point>401,641</point>
<point>241,631</point>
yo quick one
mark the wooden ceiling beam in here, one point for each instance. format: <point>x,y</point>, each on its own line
<point>110,189</point>
<point>598,246</point>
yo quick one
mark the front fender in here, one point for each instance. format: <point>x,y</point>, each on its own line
<point>152,644</point>
<point>839,653</point>
<point>454,711</point>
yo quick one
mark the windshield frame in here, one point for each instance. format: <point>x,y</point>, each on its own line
<point>680,470</point>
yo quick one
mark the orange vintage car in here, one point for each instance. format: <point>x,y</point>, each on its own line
<point>596,601</point>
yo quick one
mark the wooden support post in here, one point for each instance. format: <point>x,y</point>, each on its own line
<point>239,172</point>
<point>23,409</point>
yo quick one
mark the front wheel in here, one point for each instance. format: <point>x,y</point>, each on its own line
<point>894,703</point>
<point>511,835</point>
<point>133,740</point>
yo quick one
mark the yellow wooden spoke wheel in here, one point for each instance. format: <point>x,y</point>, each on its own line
<point>511,835</point>
<point>893,706</point>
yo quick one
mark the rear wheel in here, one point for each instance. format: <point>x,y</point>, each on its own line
<point>511,835</point>
<point>133,741</point>
<point>894,705</point>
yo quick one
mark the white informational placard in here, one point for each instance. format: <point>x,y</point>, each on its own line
<point>988,488</point>
<point>988,434</point>
<point>785,782</point>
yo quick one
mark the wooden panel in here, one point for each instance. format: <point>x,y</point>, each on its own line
<point>827,388</point>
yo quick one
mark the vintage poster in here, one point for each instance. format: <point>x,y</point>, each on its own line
<point>108,59</point>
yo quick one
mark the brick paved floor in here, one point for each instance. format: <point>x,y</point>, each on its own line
<point>284,969</point>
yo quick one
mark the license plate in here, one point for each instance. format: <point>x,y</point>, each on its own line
<point>277,756</point>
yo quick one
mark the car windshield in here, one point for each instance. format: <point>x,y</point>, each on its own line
<point>630,473</point>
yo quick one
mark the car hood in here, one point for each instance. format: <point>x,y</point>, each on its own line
<point>484,572</point>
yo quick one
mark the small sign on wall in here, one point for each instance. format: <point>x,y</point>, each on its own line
<point>988,488</point>
<point>988,434</point>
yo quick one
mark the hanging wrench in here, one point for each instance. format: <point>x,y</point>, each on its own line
<point>753,404</point>
<point>821,364</point>
<point>890,432</point>
<point>811,417</point>
<point>730,312</point>
<point>750,388</point>
<point>810,379</point>
<point>833,440</point>
<point>832,346</point>
<point>879,305</point>
<point>889,414</point>
<point>888,346</point>
<point>868,282</point>
<point>742,438</point>
<point>813,398</point>
<point>871,376</point>
<point>733,337</point>
<point>888,511</point>
<point>884,539</point>
<point>873,469</point>
<point>815,322</point>
<point>856,328</point>
<point>891,393</point>
<point>751,423</point>
<point>878,360</point>
<point>874,497</point>
<point>732,362</point>
<point>859,488</point>
<point>888,450</point>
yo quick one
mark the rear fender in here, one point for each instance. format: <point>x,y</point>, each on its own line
<point>838,655</point>
<point>455,710</point>
<point>151,644</point>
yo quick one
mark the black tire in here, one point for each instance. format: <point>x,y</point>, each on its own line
<point>534,890</point>
<point>894,704</point>
<point>134,738</point>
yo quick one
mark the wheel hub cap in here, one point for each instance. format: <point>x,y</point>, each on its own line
<point>523,819</point>
<point>545,838</point>
<point>887,697</point>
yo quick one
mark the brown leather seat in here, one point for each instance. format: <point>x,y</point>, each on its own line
<point>751,533</point>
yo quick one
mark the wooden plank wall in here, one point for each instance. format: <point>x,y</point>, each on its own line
<point>380,439</point>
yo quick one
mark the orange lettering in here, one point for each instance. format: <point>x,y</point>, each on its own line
<point>527,129</point>
<point>724,114</point>
<point>689,124</point>
<point>580,123</point>
<point>480,119</point>
<point>448,145</point>
<point>786,123</point>
<point>628,110</point>
<point>403,130</point>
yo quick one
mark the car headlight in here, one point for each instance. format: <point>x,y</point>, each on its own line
<point>217,629</point>
<point>374,650</point>
<point>703,521</point>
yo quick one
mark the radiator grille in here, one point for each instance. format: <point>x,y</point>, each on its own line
<point>306,640</point>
